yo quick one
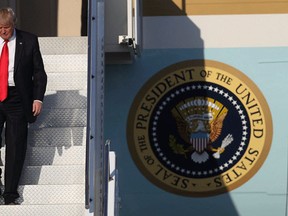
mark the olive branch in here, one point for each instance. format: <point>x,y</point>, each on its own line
<point>176,147</point>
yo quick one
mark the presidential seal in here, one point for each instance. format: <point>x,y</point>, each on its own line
<point>199,128</point>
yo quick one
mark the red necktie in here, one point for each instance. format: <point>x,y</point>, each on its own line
<point>4,62</point>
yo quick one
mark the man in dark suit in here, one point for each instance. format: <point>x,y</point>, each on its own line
<point>26,88</point>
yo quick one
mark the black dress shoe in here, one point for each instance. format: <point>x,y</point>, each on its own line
<point>10,201</point>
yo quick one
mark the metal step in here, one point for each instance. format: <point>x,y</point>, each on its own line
<point>41,156</point>
<point>59,81</point>
<point>56,156</point>
<point>50,195</point>
<point>65,63</point>
<point>75,99</point>
<point>60,118</point>
<point>51,175</point>
<point>57,137</point>
<point>63,45</point>
<point>43,210</point>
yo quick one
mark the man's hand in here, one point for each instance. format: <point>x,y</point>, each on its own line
<point>37,107</point>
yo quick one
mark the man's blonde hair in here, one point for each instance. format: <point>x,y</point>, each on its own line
<point>8,15</point>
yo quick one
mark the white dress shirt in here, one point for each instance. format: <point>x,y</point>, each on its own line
<point>11,47</point>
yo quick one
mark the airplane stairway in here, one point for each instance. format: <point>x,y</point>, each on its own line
<point>53,179</point>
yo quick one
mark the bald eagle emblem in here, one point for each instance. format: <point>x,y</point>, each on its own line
<point>199,122</point>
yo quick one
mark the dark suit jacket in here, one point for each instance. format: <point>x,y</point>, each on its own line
<point>29,74</point>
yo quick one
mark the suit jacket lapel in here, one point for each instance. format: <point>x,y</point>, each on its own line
<point>18,50</point>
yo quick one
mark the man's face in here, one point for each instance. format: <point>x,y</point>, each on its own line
<point>6,30</point>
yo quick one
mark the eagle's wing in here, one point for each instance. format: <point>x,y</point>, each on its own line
<point>216,127</point>
<point>182,129</point>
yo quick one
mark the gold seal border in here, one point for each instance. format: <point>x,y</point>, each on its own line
<point>198,63</point>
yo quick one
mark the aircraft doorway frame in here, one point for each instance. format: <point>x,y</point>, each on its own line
<point>96,159</point>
